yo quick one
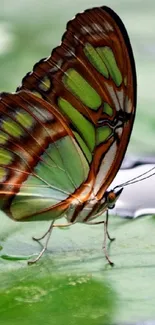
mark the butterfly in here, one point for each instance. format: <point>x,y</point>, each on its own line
<point>65,131</point>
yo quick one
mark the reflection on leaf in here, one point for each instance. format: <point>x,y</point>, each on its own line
<point>73,283</point>
<point>37,294</point>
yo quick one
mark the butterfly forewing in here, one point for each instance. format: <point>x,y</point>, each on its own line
<point>90,78</point>
<point>38,158</point>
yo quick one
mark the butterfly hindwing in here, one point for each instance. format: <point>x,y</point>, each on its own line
<point>90,78</point>
<point>38,157</point>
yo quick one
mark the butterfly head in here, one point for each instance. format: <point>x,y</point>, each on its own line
<point>112,196</point>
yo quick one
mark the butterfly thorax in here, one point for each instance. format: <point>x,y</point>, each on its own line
<point>92,208</point>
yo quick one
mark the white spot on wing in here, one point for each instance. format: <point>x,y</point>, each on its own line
<point>70,52</point>
<point>99,29</point>
<point>108,27</point>
<point>86,30</point>
<point>105,167</point>
<point>42,114</point>
<point>128,105</point>
<point>119,131</point>
<point>53,70</point>
<point>56,66</point>
<point>94,29</point>
<point>120,95</point>
<point>114,97</point>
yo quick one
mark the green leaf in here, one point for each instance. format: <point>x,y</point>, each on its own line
<point>73,283</point>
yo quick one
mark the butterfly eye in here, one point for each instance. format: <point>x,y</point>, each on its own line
<point>111,199</point>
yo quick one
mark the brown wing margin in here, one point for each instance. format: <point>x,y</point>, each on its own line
<point>129,48</point>
<point>124,142</point>
<point>126,40</point>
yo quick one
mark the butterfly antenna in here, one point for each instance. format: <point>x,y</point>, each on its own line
<point>137,178</point>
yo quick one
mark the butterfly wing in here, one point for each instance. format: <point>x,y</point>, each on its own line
<point>90,78</point>
<point>39,155</point>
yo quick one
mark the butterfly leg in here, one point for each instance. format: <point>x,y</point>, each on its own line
<point>100,222</point>
<point>106,234</point>
<point>48,232</point>
<point>46,243</point>
<point>49,229</point>
<point>107,219</point>
<point>105,237</point>
<point>44,235</point>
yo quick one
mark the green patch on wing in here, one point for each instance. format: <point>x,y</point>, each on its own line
<point>3,174</point>
<point>84,147</point>
<point>12,128</point>
<point>3,137</point>
<point>45,84</point>
<point>5,157</point>
<point>103,59</point>
<point>61,169</point>
<point>102,134</point>
<point>24,118</point>
<point>83,126</point>
<point>82,89</point>
<point>24,206</point>
<point>107,55</point>
<point>96,60</point>
<point>107,109</point>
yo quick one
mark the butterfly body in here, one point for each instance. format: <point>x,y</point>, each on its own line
<point>64,134</point>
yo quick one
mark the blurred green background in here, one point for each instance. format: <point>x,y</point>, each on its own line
<point>73,284</point>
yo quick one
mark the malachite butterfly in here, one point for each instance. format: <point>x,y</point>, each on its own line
<point>63,135</point>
